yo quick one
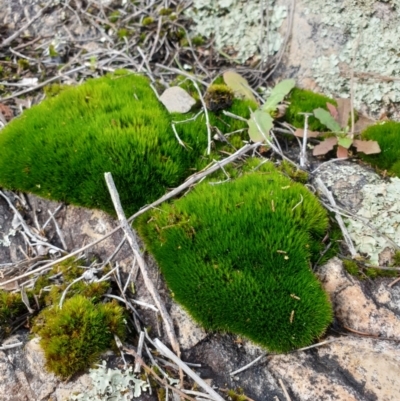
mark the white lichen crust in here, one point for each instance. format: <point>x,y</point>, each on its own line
<point>367,31</point>
<point>381,208</point>
<point>238,25</point>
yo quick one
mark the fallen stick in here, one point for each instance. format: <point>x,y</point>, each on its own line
<point>169,326</point>
<point>169,354</point>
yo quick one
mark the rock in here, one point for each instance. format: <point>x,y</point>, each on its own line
<point>23,375</point>
<point>353,308</point>
<point>348,369</point>
<point>373,201</point>
<point>189,333</point>
<point>177,100</point>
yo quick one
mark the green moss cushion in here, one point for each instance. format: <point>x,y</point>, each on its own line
<point>236,256</point>
<point>304,101</point>
<point>61,148</point>
<point>387,134</point>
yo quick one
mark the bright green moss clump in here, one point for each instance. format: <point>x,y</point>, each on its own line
<point>304,101</point>
<point>236,256</point>
<point>61,148</point>
<point>387,134</point>
<point>73,338</point>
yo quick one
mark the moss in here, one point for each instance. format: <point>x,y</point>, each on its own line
<point>387,134</point>
<point>52,90</point>
<point>198,40</point>
<point>23,64</point>
<point>73,338</point>
<point>52,51</point>
<point>61,148</point>
<point>361,272</point>
<point>114,16</point>
<point>351,267</point>
<point>11,309</point>
<point>236,256</point>
<point>396,258</point>
<point>294,173</point>
<point>304,101</point>
<point>122,33</point>
<point>147,21</point>
<point>165,11</point>
<point>218,97</point>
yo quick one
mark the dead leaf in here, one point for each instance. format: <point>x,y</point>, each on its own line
<point>6,112</point>
<point>344,110</point>
<point>239,85</point>
<point>367,147</point>
<point>325,146</point>
<point>177,100</point>
<point>333,110</point>
<point>362,123</point>
<point>342,153</point>
<point>310,134</point>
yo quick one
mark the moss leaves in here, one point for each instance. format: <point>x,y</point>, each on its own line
<point>73,338</point>
<point>236,255</point>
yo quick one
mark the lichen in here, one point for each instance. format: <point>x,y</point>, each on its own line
<point>380,207</point>
<point>236,24</point>
<point>367,29</point>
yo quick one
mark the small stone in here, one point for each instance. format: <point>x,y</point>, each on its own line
<point>177,100</point>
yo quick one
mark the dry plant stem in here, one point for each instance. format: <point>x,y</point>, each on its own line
<point>203,103</point>
<point>181,72</point>
<point>197,177</point>
<point>59,233</point>
<point>169,326</point>
<point>33,88</point>
<point>303,153</point>
<point>154,374</point>
<point>10,346</point>
<point>248,365</point>
<point>394,282</point>
<point>22,221</point>
<point>316,345</point>
<point>7,41</point>
<point>139,352</point>
<point>285,40</point>
<point>284,390</point>
<point>169,354</point>
<point>338,217</point>
<point>188,183</point>
<point>328,162</point>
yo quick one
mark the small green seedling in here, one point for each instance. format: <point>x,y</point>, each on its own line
<point>336,120</point>
<point>262,120</point>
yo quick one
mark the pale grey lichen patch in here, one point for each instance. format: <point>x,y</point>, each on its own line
<point>6,241</point>
<point>238,25</point>
<point>369,29</point>
<point>381,208</point>
<point>113,384</point>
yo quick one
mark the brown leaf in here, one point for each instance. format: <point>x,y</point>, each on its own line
<point>325,146</point>
<point>6,111</point>
<point>367,147</point>
<point>342,152</point>
<point>362,123</point>
<point>310,134</point>
<point>333,110</point>
<point>344,110</point>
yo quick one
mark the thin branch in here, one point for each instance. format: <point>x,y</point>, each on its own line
<point>7,41</point>
<point>166,352</point>
<point>169,326</point>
